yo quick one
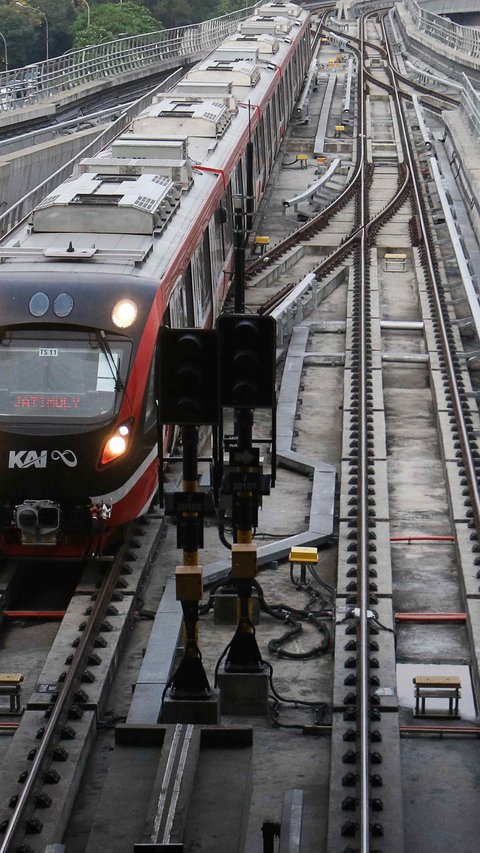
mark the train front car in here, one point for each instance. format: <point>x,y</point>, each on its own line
<point>140,235</point>
<point>77,433</point>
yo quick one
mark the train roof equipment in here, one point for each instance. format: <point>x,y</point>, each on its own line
<point>262,42</point>
<point>240,72</point>
<point>218,90</point>
<point>184,117</point>
<point>129,161</point>
<point>117,205</point>
<point>271,10</point>
<point>113,204</point>
<point>279,27</point>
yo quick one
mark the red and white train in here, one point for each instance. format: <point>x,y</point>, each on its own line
<point>139,236</point>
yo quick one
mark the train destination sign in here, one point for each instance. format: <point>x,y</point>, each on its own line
<point>46,401</point>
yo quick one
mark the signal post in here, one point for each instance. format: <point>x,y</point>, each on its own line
<point>188,397</point>
<point>247,382</point>
<point>201,373</point>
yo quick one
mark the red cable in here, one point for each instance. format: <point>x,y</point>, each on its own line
<point>422,539</point>
<point>430,617</point>
<point>34,614</point>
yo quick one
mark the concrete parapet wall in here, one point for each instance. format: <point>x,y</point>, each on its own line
<point>29,112</point>
<point>20,172</point>
<point>449,7</point>
<point>461,148</point>
<point>426,47</point>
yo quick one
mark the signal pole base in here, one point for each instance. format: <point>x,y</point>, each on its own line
<point>225,608</point>
<point>195,711</point>
<point>244,693</point>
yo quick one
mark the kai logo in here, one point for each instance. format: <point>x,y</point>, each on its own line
<point>34,459</point>
<point>27,459</point>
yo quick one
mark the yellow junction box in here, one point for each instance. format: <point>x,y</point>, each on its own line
<point>303,555</point>
<point>244,560</point>
<point>189,583</point>
<point>262,240</point>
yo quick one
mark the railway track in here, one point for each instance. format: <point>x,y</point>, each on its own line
<point>374,640</point>
<point>387,399</point>
<point>42,770</point>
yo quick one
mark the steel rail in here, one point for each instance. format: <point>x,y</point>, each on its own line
<point>362,498</point>
<point>448,99</point>
<point>317,222</point>
<point>398,74</point>
<point>345,248</point>
<point>308,230</point>
<point>467,453</point>
<point>64,700</point>
<point>321,220</point>
<point>365,234</point>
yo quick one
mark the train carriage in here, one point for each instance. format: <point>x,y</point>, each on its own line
<point>139,236</point>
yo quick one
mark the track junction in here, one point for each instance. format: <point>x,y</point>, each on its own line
<point>375,396</point>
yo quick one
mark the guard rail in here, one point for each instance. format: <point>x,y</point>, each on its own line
<point>25,205</point>
<point>42,81</point>
<point>471,104</point>
<point>465,40</point>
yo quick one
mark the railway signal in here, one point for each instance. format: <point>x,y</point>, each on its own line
<point>188,369</point>
<point>247,361</point>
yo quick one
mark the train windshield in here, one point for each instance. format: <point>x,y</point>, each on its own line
<point>56,375</point>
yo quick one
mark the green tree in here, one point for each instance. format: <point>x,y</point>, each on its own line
<point>25,29</point>
<point>50,18</point>
<point>178,13</point>
<point>110,20</point>
<point>19,33</point>
<point>175,13</point>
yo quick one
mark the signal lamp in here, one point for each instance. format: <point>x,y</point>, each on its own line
<point>188,376</point>
<point>124,314</point>
<point>247,360</point>
<point>117,445</point>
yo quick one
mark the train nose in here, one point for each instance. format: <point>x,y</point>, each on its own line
<point>39,518</point>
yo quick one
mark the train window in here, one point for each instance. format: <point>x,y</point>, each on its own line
<point>261,148</point>
<point>281,101</point>
<point>274,104</point>
<point>238,179</point>
<point>150,401</point>
<point>52,375</point>
<point>202,281</point>
<point>228,225</point>
<point>256,154</point>
<point>178,310</point>
<point>288,87</point>
<point>187,298</point>
<point>295,71</point>
<point>217,243</point>
<point>270,132</point>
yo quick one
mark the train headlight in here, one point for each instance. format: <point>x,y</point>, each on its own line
<point>124,313</point>
<point>118,443</point>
